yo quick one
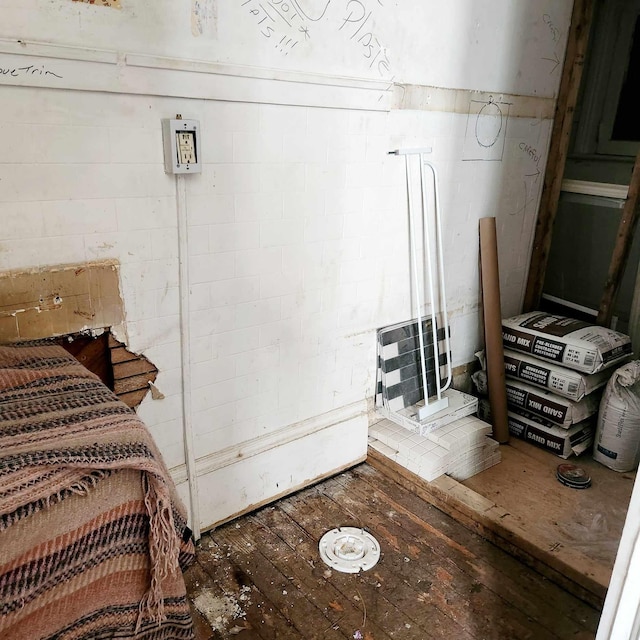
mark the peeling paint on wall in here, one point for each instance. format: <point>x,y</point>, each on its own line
<point>427,98</point>
<point>103,3</point>
<point>204,18</point>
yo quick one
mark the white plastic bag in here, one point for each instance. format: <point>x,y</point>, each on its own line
<point>617,442</point>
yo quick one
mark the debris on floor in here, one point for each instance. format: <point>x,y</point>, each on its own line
<point>452,583</point>
<point>221,610</point>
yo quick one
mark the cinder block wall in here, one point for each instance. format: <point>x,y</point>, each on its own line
<point>298,242</point>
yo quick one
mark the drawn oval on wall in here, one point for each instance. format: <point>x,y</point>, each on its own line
<point>488,124</point>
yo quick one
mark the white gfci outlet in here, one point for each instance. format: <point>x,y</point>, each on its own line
<point>186,147</point>
<point>181,140</point>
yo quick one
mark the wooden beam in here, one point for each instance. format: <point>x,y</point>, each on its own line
<point>133,368</point>
<point>120,354</point>
<point>621,248</point>
<point>134,383</point>
<point>560,136</point>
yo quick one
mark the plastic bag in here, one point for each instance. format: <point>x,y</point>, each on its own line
<point>617,442</point>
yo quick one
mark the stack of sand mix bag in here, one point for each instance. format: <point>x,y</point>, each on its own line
<point>556,368</point>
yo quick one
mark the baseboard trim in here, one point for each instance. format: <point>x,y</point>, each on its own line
<point>287,492</point>
<point>280,437</point>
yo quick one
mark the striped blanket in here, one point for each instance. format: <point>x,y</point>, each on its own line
<point>92,534</point>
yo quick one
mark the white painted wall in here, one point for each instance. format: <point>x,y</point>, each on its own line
<point>489,45</point>
<point>297,245</point>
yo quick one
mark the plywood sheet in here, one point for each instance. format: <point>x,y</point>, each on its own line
<point>59,300</point>
<point>587,521</point>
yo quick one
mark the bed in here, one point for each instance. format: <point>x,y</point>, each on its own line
<point>93,537</point>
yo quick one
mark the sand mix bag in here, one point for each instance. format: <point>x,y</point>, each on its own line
<point>559,380</point>
<point>570,343</point>
<point>544,404</point>
<point>563,442</point>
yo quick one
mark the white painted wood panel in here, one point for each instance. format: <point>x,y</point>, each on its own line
<point>231,490</point>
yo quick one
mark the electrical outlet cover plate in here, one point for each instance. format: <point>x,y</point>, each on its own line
<point>181,141</point>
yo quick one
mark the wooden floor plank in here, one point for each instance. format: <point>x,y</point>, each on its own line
<point>514,578</point>
<point>392,616</point>
<point>349,585</point>
<point>218,613</point>
<point>282,590</point>
<point>405,585</point>
<point>450,588</point>
<point>488,565</point>
<point>195,576</point>
<point>259,612</point>
<point>436,579</point>
<point>277,529</point>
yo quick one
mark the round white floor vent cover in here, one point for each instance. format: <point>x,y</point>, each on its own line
<point>349,549</point>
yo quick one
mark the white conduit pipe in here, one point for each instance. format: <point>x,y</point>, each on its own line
<point>185,342</point>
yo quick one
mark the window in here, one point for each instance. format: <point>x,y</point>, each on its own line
<point>608,122</point>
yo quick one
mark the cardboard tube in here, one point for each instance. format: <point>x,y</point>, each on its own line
<point>493,329</point>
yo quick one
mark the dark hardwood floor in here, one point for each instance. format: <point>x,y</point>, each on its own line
<point>261,576</point>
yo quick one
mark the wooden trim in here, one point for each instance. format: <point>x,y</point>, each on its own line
<point>597,189</point>
<point>264,474</point>
<point>76,68</point>
<point>281,437</point>
<point>558,149</point>
<point>281,75</point>
<point>420,97</point>
<point>621,248</point>
<point>129,72</point>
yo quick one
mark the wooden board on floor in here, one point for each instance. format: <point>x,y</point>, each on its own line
<point>569,535</point>
<point>435,578</point>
